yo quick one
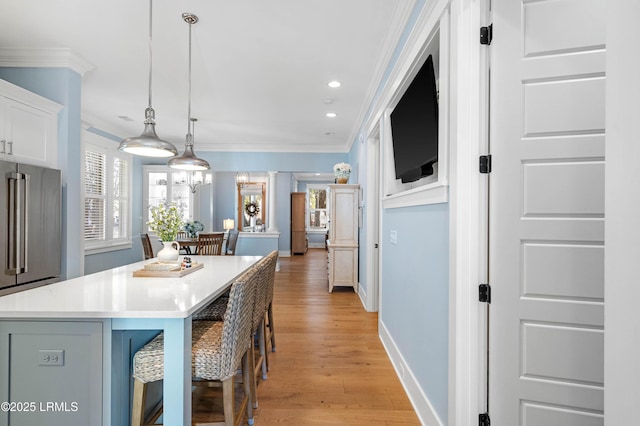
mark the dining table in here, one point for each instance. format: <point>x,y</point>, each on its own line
<point>187,244</point>
<point>127,302</point>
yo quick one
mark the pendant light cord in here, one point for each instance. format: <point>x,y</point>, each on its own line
<point>189,140</point>
<point>150,48</point>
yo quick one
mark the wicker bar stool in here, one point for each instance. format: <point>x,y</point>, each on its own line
<point>265,269</point>
<point>268,274</point>
<point>270,327</point>
<point>218,350</point>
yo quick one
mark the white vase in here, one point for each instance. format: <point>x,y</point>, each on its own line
<point>170,252</point>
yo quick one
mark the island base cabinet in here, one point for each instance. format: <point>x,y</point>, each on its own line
<point>51,373</point>
<point>343,267</point>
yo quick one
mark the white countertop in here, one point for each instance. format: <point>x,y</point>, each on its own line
<point>115,293</point>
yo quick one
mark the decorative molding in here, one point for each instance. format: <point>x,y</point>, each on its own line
<point>23,95</point>
<point>43,58</point>
<point>270,147</point>
<point>267,234</point>
<point>421,404</point>
<point>423,195</point>
<point>398,22</point>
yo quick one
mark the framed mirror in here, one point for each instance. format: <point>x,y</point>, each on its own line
<point>251,206</point>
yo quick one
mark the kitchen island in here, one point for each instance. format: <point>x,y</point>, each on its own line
<point>57,338</point>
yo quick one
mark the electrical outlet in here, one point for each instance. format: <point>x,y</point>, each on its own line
<point>51,357</point>
<point>393,238</point>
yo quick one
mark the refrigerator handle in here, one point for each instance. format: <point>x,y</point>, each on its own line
<point>25,222</point>
<point>14,229</point>
<point>18,224</point>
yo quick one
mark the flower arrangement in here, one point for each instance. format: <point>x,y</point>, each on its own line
<point>192,227</point>
<point>165,221</point>
<point>342,170</point>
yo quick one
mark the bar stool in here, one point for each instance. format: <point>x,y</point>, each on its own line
<point>218,350</point>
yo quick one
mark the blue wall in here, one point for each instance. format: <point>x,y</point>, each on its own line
<point>415,294</point>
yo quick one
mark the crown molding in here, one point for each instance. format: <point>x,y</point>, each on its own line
<point>256,147</point>
<point>43,58</point>
<point>398,22</point>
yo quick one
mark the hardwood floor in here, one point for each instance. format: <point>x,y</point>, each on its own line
<point>330,366</point>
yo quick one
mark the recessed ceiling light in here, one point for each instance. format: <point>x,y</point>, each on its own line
<point>328,101</point>
<point>329,133</point>
<point>331,114</point>
<point>125,118</point>
<point>334,84</point>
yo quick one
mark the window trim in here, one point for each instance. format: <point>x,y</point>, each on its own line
<point>110,149</point>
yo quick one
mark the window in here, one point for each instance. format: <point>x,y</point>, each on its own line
<point>163,185</point>
<point>317,216</point>
<point>107,196</point>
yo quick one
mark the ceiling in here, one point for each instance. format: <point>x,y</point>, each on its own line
<point>259,70</point>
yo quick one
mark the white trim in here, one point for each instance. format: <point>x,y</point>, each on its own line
<point>419,400</point>
<point>316,245</point>
<point>110,148</point>
<point>398,21</point>
<point>104,248</point>
<point>43,58</point>
<point>267,234</point>
<point>284,253</point>
<point>428,194</point>
<point>467,214</point>
<point>24,96</point>
<point>371,203</point>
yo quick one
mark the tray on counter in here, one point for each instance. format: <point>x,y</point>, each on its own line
<point>157,270</point>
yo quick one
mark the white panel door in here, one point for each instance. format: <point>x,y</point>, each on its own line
<point>546,344</point>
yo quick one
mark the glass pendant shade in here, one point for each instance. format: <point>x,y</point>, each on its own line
<point>148,144</point>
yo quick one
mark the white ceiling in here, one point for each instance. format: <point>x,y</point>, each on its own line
<point>260,68</point>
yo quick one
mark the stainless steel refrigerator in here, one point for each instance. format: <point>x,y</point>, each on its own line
<point>30,217</point>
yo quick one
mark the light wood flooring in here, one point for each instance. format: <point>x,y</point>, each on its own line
<point>330,367</point>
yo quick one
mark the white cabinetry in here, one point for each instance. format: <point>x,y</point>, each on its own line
<point>28,127</point>
<point>343,236</point>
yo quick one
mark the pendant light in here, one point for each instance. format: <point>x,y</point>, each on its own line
<point>148,143</point>
<point>188,160</point>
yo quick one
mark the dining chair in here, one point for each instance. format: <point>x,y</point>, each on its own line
<point>210,244</point>
<point>146,246</point>
<point>218,350</point>
<point>232,240</point>
<point>184,249</point>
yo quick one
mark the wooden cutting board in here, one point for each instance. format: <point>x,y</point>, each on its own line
<point>195,266</point>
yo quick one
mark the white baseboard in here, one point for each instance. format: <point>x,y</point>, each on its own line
<point>317,245</point>
<point>362,293</point>
<point>284,253</point>
<point>419,400</point>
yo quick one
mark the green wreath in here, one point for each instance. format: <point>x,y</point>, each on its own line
<point>252,209</point>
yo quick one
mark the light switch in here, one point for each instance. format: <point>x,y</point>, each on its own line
<point>393,238</point>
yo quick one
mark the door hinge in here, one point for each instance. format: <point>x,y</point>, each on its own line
<point>486,35</point>
<point>485,164</point>
<point>484,420</point>
<point>485,293</point>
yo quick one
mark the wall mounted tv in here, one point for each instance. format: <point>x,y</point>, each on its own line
<point>414,127</point>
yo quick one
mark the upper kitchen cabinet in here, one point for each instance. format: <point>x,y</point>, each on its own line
<point>28,127</point>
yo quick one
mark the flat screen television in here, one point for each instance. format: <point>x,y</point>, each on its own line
<point>414,127</point>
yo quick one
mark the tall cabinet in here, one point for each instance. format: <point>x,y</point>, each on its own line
<point>343,236</point>
<point>298,231</point>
